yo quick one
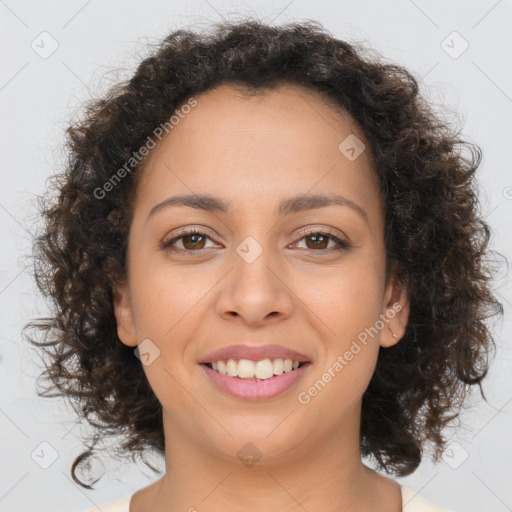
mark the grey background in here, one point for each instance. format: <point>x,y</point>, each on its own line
<point>38,98</point>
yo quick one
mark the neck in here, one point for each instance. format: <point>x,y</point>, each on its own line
<point>327,475</point>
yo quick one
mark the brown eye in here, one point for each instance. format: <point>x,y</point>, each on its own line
<point>319,241</point>
<point>191,241</point>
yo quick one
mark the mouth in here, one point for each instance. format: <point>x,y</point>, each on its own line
<point>256,382</point>
<point>247,369</point>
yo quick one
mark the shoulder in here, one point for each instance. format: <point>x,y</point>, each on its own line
<point>413,502</point>
<point>122,505</point>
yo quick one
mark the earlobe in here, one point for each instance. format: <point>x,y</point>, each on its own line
<point>124,314</point>
<point>396,313</point>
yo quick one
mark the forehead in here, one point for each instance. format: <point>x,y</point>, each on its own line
<point>282,141</point>
<point>294,113</point>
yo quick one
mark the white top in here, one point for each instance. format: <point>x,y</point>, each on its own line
<point>412,502</point>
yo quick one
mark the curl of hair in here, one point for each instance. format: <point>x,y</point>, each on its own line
<point>435,237</point>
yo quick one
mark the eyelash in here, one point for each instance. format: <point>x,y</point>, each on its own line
<point>342,244</point>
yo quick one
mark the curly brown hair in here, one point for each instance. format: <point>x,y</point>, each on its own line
<point>433,232</point>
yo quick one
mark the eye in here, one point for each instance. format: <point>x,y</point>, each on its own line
<point>321,238</point>
<point>191,240</point>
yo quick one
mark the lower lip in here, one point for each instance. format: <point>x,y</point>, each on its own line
<point>256,389</point>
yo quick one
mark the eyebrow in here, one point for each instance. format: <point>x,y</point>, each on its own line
<point>209,203</point>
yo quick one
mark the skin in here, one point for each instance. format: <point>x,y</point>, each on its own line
<point>301,293</point>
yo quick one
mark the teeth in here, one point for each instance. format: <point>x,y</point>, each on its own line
<point>278,366</point>
<point>221,367</point>
<point>232,368</point>
<point>247,369</point>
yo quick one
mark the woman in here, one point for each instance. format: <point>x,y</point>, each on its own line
<point>267,262</point>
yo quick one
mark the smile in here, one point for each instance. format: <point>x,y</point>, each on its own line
<point>255,380</point>
<point>247,369</point>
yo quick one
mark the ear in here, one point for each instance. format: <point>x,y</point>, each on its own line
<point>123,312</point>
<point>396,309</point>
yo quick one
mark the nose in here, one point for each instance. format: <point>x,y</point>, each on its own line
<point>255,291</point>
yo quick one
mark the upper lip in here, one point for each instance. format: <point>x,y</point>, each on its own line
<point>254,353</point>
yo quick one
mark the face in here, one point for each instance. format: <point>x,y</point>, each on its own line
<point>309,278</point>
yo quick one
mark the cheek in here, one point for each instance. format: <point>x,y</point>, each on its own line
<point>165,305</point>
<point>348,299</point>
<point>347,306</point>
<point>164,299</point>
<point>348,314</point>
<point>162,305</point>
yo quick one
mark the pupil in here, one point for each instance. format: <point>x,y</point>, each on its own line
<point>189,237</point>
<point>316,237</point>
